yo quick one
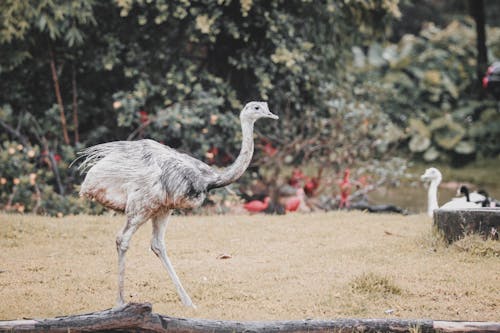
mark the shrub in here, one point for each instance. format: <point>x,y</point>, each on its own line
<point>426,83</point>
<point>77,73</point>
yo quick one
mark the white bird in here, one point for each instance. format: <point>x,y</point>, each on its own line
<point>434,176</point>
<point>147,180</point>
<point>475,197</point>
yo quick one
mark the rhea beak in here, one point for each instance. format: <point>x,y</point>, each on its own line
<point>272,115</point>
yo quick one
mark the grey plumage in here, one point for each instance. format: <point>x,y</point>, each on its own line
<point>146,180</point>
<point>170,177</point>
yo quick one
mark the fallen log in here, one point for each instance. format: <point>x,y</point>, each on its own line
<point>135,317</point>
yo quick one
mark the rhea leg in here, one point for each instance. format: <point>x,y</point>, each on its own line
<point>158,247</point>
<point>122,244</point>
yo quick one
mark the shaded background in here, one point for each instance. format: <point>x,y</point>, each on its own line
<point>373,86</point>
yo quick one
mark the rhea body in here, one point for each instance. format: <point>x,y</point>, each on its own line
<point>146,180</point>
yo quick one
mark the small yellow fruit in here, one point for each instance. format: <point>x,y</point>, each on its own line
<point>213,119</point>
<point>20,208</point>
<point>32,178</point>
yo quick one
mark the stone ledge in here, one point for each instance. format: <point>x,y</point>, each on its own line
<point>455,224</point>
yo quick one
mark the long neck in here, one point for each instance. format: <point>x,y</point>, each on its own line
<point>432,200</point>
<point>235,170</point>
<point>467,197</point>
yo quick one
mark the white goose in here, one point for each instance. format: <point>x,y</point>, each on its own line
<point>476,197</point>
<point>434,176</point>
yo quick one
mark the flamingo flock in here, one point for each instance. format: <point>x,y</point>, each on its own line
<point>300,193</point>
<point>292,195</point>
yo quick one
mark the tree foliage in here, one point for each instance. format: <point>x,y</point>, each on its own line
<point>79,72</point>
<point>429,91</point>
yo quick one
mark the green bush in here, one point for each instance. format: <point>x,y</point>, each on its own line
<point>80,72</point>
<point>28,182</point>
<point>426,84</point>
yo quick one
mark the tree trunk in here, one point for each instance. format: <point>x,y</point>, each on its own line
<point>139,317</point>
<point>75,104</point>
<point>455,224</point>
<point>57,90</point>
<point>476,8</point>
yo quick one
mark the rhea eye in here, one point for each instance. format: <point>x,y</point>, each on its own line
<point>257,107</point>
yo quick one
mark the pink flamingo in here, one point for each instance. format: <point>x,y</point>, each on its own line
<point>293,203</point>
<point>345,189</point>
<point>256,206</point>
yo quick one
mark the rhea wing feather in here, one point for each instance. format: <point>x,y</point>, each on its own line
<point>142,158</point>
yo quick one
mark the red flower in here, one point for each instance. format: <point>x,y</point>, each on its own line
<point>211,154</point>
<point>311,186</point>
<point>57,157</point>
<point>143,116</point>
<point>345,190</point>
<point>270,150</point>
<point>485,82</point>
<point>214,150</point>
<point>296,177</point>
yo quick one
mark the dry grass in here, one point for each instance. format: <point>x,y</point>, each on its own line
<point>330,265</point>
<point>370,283</point>
<point>476,245</point>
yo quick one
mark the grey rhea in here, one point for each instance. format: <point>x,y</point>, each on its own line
<point>146,180</point>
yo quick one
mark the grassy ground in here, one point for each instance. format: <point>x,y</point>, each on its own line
<point>339,264</point>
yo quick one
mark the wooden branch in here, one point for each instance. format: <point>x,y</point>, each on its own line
<point>35,129</point>
<point>55,169</point>
<point>57,90</point>
<point>365,190</point>
<point>15,132</point>
<point>138,130</point>
<point>75,104</point>
<point>135,317</point>
<point>130,316</point>
<point>11,197</point>
<point>38,199</point>
<point>476,8</point>
<point>308,325</point>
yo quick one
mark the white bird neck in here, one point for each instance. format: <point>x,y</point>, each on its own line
<point>235,170</point>
<point>432,199</point>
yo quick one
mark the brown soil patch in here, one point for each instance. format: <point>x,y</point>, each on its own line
<point>340,264</point>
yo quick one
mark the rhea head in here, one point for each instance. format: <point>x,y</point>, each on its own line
<point>431,174</point>
<point>256,110</point>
